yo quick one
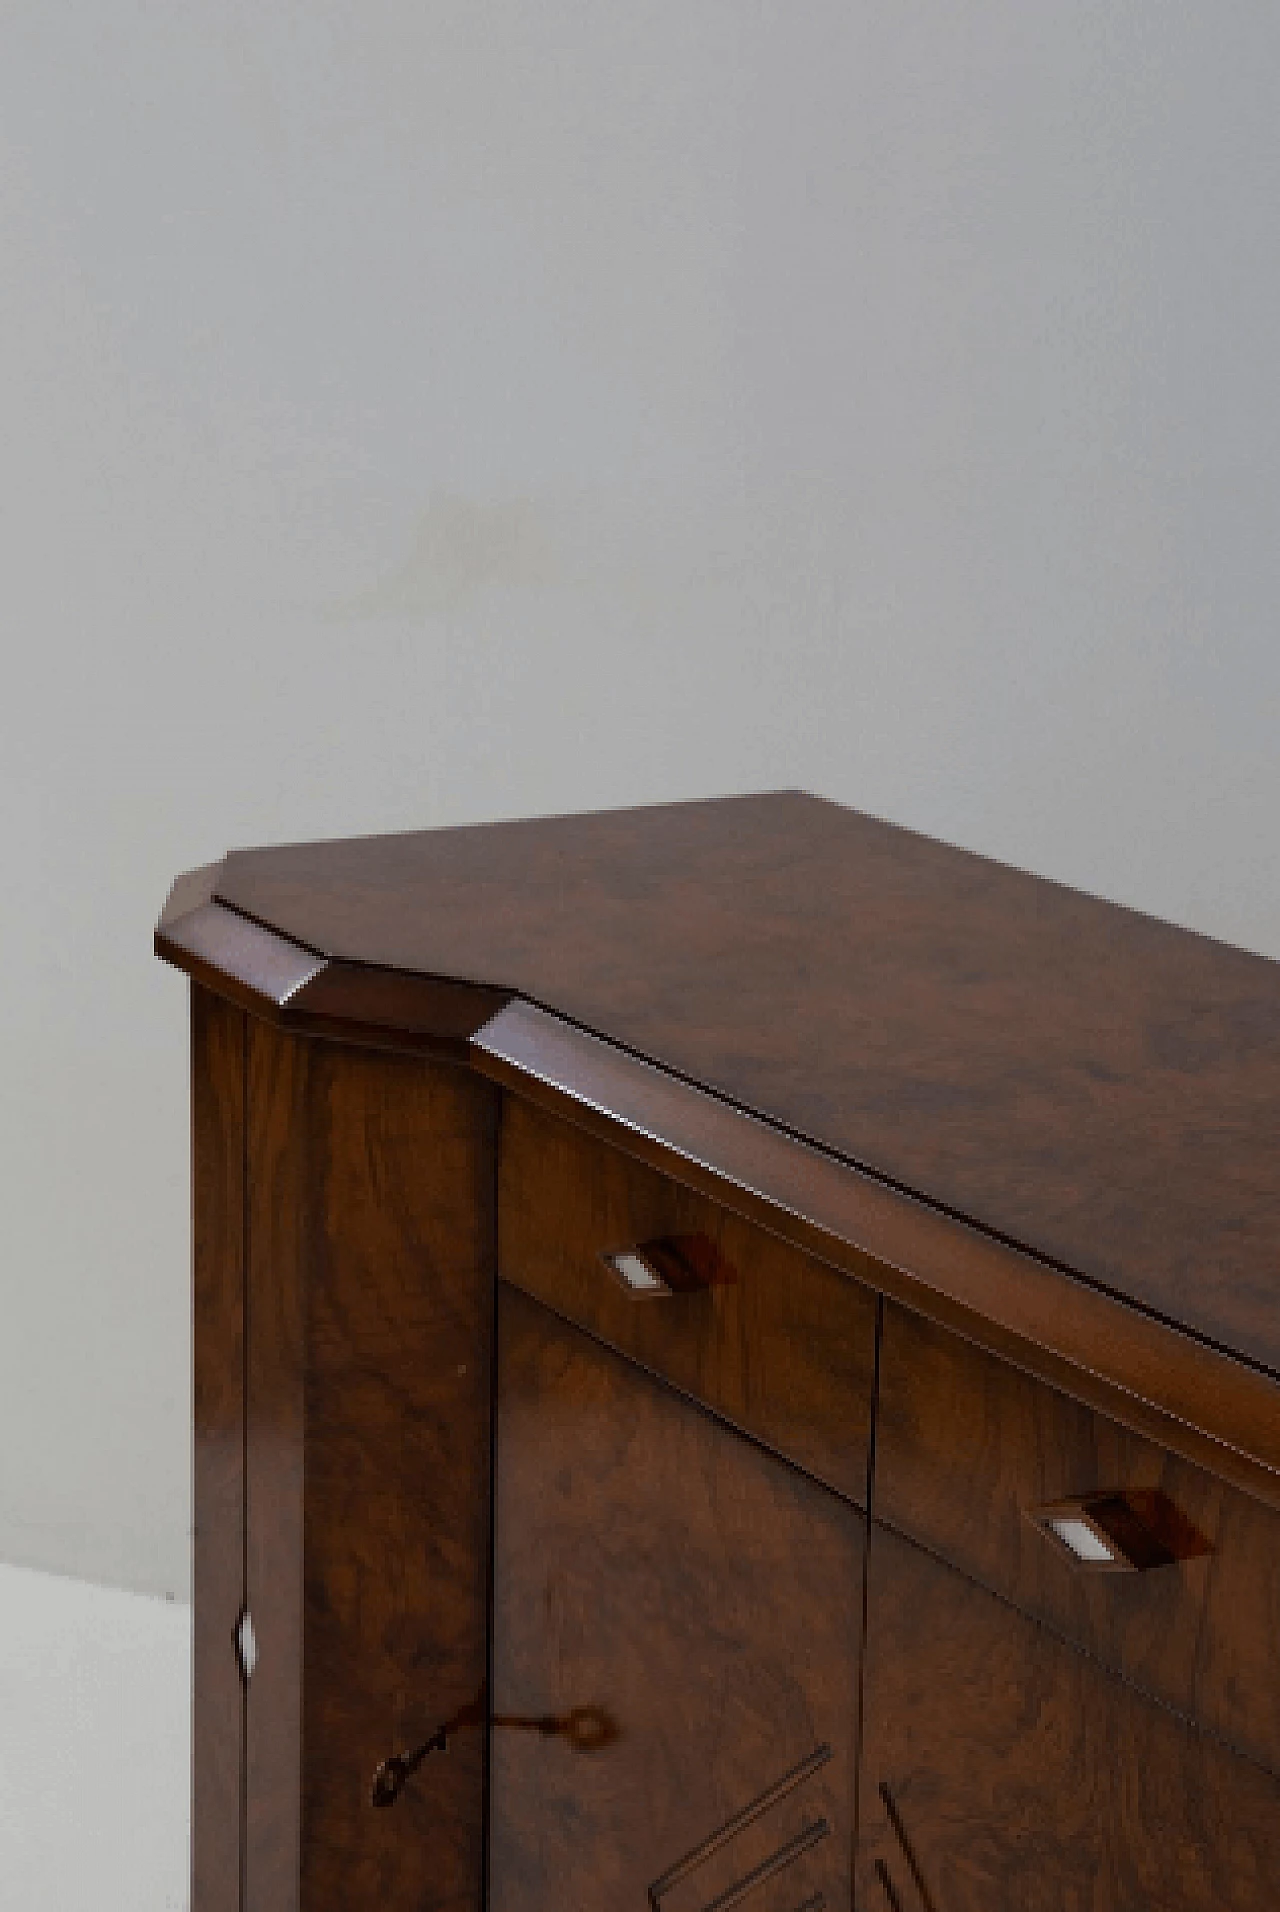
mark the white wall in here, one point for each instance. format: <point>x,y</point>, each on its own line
<point>420,413</point>
<point>95,1737</point>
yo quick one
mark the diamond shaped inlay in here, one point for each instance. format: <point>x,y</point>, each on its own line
<point>246,1646</point>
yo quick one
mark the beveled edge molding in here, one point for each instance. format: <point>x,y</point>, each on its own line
<point>238,959</point>
<point>1162,1381</point>
<point>283,982</point>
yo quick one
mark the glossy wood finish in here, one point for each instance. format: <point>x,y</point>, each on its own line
<point>967,1447</point>
<point>397,1534</point>
<point>1165,1384</point>
<point>1096,1086</point>
<point>786,1350</point>
<point>381,1007</point>
<point>217,1166</point>
<point>1004,1768</point>
<point>849,1063</point>
<point>244,961</point>
<point>700,1595</point>
<point>371,1270</point>
<point>283,982</point>
<point>279,1248</point>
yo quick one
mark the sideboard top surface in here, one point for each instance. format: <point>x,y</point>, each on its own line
<point>1088,1082</point>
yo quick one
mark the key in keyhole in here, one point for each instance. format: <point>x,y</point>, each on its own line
<point>588,1729</point>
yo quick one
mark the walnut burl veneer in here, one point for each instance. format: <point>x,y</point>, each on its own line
<point>706,1599</point>
<point>737,1363</point>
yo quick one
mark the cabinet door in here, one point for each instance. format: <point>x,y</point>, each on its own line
<point>765,1336</point>
<point>967,1447</point>
<point>676,1627</point>
<point>1004,1767</point>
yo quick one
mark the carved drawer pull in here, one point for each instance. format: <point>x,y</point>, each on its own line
<point>1129,1531</point>
<point>671,1265</point>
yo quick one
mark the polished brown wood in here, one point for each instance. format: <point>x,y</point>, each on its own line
<point>370,1299</point>
<point>958,1196</point>
<point>1094,1085</point>
<point>217,1176</point>
<point>785,1350</point>
<point>279,1203</point>
<point>1166,1384</point>
<point>428,1014</point>
<point>244,961</point>
<point>1003,1767</point>
<point>699,1598</point>
<point>967,1448</point>
<point>285,983</point>
<point>397,1523</point>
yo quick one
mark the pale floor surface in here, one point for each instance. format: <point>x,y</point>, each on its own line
<point>94,1764</point>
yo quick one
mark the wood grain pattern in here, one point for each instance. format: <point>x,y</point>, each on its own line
<point>217,1163</point>
<point>702,1595</point>
<point>281,1229</point>
<point>966,1446</point>
<point>1164,1383</point>
<point>786,1352</point>
<point>1004,1768</point>
<point>1099,1087</point>
<point>370,1307</point>
<point>852,1060</point>
<point>400,1299</point>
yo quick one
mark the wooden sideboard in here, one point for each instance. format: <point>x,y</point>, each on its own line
<point>737,1363</point>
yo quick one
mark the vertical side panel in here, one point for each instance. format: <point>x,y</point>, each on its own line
<point>280,1203</point>
<point>399,1338</point>
<point>217,1179</point>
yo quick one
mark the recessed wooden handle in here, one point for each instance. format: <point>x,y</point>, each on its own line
<point>671,1265</point>
<point>1130,1530</point>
